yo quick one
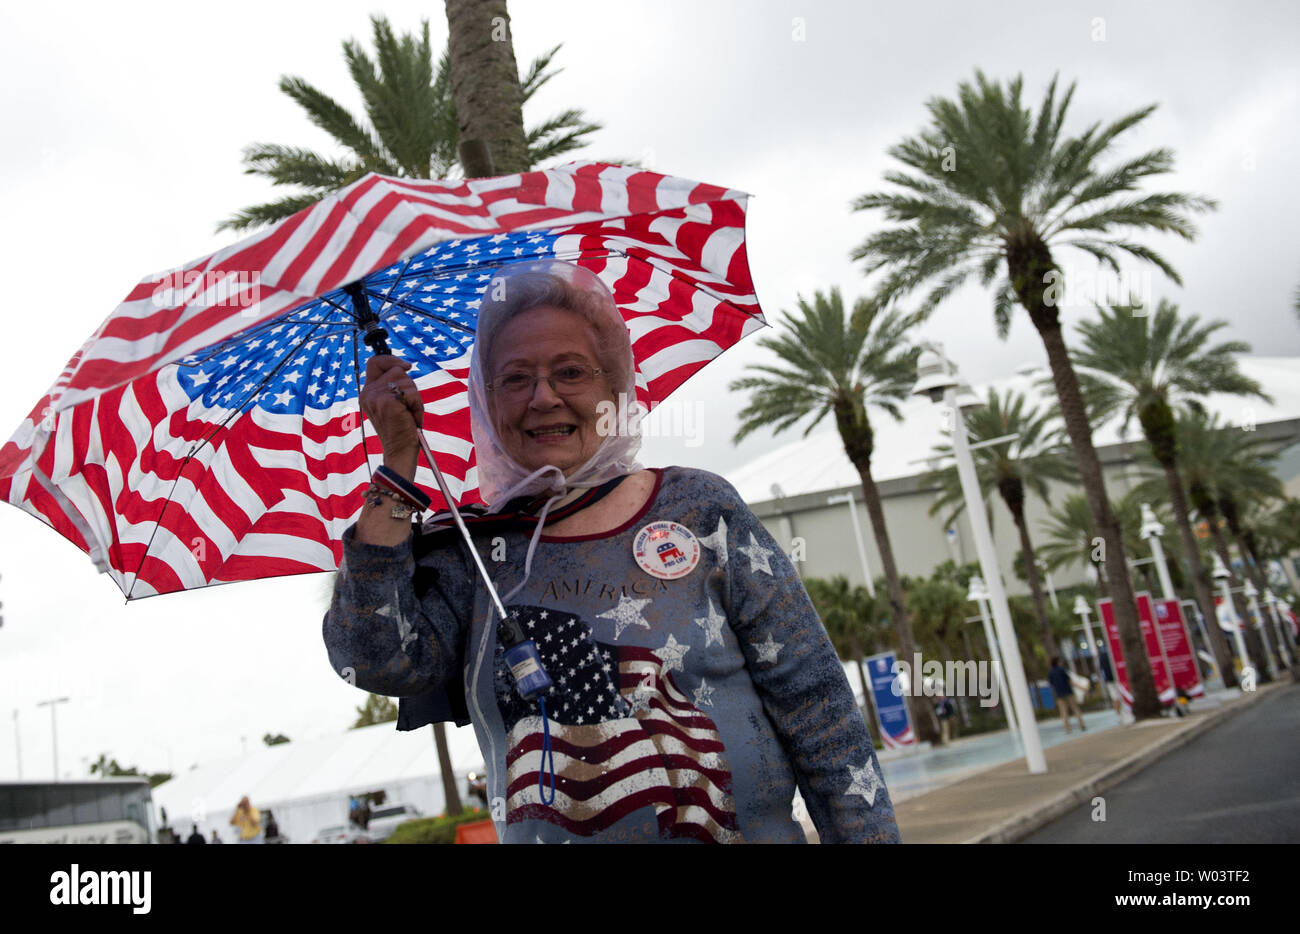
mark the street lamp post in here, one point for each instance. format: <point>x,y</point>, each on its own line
<point>1081,608</point>
<point>1047,579</point>
<point>1151,532</point>
<point>1283,632</point>
<point>977,595</point>
<point>937,380</point>
<point>54,728</point>
<point>857,535</point>
<point>1223,576</point>
<point>1249,591</point>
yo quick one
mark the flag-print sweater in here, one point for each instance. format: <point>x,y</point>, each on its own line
<point>683,708</point>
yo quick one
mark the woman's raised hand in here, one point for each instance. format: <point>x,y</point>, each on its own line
<point>391,401</point>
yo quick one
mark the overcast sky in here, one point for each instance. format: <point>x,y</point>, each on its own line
<point>124,128</point>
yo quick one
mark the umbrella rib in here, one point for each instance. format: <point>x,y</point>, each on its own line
<point>189,456</point>
<point>417,310</point>
<point>356,375</point>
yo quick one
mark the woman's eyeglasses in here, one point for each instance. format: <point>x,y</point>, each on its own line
<point>568,380</point>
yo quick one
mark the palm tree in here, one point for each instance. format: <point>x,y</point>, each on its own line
<point>1071,539</point>
<point>849,614</point>
<point>998,188</point>
<point>1214,460</point>
<point>840,367</point>
<point>412,126</point>
<point>1146,366</point>
<point>1023,463</point>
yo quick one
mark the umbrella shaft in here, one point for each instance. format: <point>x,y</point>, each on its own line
<point>460,524</point>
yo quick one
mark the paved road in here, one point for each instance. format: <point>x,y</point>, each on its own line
<point>1238,783</point>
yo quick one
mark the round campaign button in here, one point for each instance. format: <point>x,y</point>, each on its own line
<point>666,550</point>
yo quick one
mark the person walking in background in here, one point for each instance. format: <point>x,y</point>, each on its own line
<point>1064,691</point>
<point>272,829</point>
<point>216,837</point>
<point>249,821</point>
<point>944,710</point>
<point>1110,687</point>
<point>195,836</point>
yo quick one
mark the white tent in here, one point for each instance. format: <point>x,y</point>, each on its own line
<point>307,783</point>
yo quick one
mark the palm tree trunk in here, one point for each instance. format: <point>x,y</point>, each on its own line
<point>1146,703</point>
<point>485,86</point>
<point>1015,500</point>
<point>1253,645</point>
<point>449,787</point>
<point>927,726</point>
<point>1199,576</point>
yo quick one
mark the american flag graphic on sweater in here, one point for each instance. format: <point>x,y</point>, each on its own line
<point>623,737</point>
<point>210,430</point>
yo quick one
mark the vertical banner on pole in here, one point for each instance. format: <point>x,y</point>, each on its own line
<point>891,706</point>
<point>1160,668</point>
<point>1106,611</point>
<point>1178,648</point>
<point>1155,651</point>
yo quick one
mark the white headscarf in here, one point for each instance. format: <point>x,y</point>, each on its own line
<point>516,289</point>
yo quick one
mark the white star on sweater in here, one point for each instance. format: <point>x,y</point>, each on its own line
<point>757,555</point>
<point>717,542</point>
<point>639,699</point>
<point>671,654</point>
<point>404,629</point>
<point>627,613</point>
<point>712,625</point>
<point>767,651</point>
<point>865,782</point>
<point>703,694</point>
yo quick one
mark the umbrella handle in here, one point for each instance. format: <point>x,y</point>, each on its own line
<point>376,339</point>
<point>460,523</point>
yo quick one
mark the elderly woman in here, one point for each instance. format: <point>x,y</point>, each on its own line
<point>693,686</point>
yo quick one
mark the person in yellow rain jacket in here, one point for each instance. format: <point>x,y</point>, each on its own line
<point>249,821</point>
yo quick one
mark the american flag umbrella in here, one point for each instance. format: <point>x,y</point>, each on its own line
<point>210,430</point>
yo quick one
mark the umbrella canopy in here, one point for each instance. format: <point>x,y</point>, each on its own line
<point>210,431</point>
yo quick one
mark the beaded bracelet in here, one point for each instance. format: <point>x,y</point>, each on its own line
<point>400,510</point>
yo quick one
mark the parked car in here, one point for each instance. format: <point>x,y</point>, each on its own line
<point>384,820</point>
<point>342,834</point>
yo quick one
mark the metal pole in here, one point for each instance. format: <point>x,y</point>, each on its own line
<point>1047,578</point>
<point>857,535</point>
<point>54,728</point>
<point>1195,613</point>
<point>1249,590</point>
<point>993,581</point>
<point>1008,705</point>
<point>1162,569</point>
<point>1237,638</point>
<point>1084,611</point>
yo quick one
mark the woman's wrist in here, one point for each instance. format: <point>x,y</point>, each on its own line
<point>402,462</point>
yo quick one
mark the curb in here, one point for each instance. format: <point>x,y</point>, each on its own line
<point>1022,825</point>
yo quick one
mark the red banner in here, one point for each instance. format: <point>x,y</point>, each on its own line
<point>1179,651</point>
<point>1155,654</point>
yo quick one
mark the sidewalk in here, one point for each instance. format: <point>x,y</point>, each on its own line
<point>1003,803</point>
